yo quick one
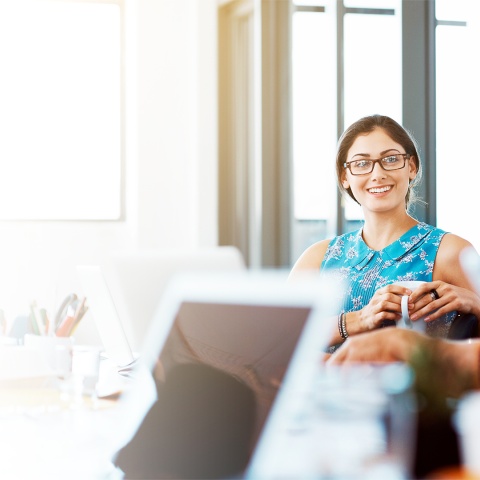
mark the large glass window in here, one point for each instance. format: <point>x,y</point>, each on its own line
<point>341,71</point>
<point>372,69</point>
<point>60,115</point>
<point>457,104</point>
<point>314,98</point>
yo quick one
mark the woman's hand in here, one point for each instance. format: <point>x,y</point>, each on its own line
<point>434,299</point>
<point>383,345</point>
<point>457,361</point>
<point>384,305</point>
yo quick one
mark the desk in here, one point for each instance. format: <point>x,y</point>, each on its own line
<point>43,435</point>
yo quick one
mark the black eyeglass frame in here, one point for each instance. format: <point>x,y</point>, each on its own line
<point>406,156</point>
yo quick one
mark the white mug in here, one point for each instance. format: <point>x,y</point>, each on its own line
<point>405,322</point>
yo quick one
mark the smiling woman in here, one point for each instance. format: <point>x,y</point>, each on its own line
<point>378,166</point>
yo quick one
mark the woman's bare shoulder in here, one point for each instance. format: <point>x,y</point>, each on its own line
<point>447,263</point>
<point>451,246</point>
<point>312,257</point>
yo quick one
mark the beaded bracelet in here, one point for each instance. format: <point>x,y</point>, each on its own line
<point>342,325</point>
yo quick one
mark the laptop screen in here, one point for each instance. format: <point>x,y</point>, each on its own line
<point>253,343</point>
<point>105,314</point>
<point>217,373</point>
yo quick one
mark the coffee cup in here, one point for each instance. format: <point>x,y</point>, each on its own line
<point>405,322</point>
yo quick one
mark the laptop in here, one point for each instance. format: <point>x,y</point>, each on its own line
<point>137,279</point>
<point>240,328</point>
<point>105,315</point>
<point>122,294</point>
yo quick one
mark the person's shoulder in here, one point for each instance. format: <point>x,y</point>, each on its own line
<point>438,235</point>
<point>428,229</point>
<point>447,262</point>
<point>317,250</point>
<point>450,247</point>
<point>312,257</point>
<point>454,242</point>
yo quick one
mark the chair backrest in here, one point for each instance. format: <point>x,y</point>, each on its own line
<point>464,326</point>
<point>138,279</point>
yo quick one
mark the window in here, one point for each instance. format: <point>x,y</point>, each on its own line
<point>457,104</point>
<point>314,112</point>
<point>341,71</point>
<point>372,69</point>
<point>60,120</point>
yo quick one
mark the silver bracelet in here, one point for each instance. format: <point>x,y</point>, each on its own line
<point>342,322</point>
<point>340,331</point>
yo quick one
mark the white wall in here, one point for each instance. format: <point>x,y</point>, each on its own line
<point>176,122</point>
<point>170,166</point>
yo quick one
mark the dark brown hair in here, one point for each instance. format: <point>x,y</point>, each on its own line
<point>395,131</point>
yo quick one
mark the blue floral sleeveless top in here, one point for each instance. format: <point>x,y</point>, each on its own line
<point>411,257</point>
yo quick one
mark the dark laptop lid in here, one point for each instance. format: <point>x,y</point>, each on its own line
<point>234,332</point>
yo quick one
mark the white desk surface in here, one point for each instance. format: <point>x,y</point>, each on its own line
<point>44,435</point>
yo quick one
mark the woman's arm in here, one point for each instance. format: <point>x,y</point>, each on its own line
<point>384,305</point>
<point>450,282</point>
<point>310,262</point>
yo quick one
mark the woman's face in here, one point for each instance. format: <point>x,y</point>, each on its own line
<point>380,190</point>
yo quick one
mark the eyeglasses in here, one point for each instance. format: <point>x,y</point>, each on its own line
<point>364,165</point>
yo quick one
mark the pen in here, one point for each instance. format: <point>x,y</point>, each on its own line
<point>65,326</point>
<point>80,307</point>
<point>77,320</point>
<point>79,313</point>
<point>45,320</point>
<point>62,309</point>
<point>35,319</point>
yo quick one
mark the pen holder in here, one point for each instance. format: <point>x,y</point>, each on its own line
<point>57,351</point>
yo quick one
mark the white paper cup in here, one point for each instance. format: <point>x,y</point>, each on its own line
<point>405,322</point>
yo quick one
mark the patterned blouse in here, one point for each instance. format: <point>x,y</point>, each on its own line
<point>364,270</point>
